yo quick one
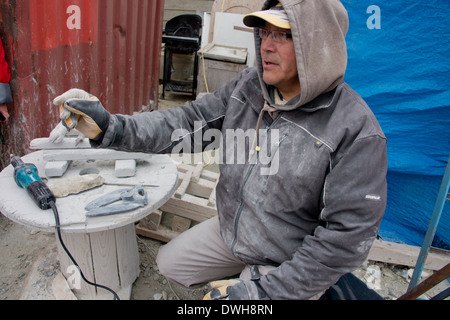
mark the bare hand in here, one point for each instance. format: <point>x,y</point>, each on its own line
<point>4,115</point>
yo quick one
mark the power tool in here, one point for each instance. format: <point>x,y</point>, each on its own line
<point>27,177</point>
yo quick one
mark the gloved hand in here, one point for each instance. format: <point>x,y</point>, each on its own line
<point>235,290</point>
<point>84,112</point>
<point>222,290</point>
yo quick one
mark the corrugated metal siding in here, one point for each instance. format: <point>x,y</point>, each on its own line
<point>109,48</point>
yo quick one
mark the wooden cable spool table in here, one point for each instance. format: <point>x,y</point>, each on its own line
<point>104,247</point>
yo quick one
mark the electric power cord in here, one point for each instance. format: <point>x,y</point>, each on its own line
<point>58,231</point>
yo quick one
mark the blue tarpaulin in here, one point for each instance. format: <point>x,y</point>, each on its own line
<point>399,62</point>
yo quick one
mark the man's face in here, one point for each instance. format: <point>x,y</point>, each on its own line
<point>280,64</point>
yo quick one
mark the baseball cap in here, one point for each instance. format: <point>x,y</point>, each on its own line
<point>275,15</point>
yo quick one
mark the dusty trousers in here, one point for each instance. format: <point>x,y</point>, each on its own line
<point>199,255</point>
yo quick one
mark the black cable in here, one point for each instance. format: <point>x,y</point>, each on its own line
<point>58,230</point>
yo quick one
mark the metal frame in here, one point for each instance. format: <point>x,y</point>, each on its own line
<point>437,212</point>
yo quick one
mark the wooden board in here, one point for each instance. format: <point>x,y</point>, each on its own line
<point>192,203</point>
<point>163,233</point>
<point>406,255</point>
<point>109,258</point>
<point>79,247</point>
<point>190,207</point>
<point>223,53</point>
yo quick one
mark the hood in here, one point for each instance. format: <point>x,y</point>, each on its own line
<point>319,28</point>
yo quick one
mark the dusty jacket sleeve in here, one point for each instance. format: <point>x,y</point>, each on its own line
<point>160,131</point>
<point>354,201</point>
<point>5,76</point>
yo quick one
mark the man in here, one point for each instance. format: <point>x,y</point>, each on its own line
<point>294,225</point>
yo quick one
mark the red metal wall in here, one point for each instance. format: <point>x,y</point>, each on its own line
<point>109,48</point>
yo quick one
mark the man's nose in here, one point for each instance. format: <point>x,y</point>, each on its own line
<point>268,44</point>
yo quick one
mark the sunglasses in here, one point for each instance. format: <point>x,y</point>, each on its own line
<point>277,35</point>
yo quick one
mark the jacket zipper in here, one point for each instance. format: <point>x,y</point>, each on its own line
<point>241,207</point>
<point>247,176</point>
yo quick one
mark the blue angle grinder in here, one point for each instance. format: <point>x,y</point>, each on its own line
<point>27,177</point>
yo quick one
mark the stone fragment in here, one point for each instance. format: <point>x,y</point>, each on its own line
<point>125,168</point>
<point>63,187</point>
<point>55,169</point>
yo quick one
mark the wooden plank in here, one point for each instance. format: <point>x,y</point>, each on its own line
<point>61,289</point>
<point>79,246</point>
<point>180,224</point>
<point>127,255</point>
<point>184,185</point>
<point>104,258</point>
<point>196,174</point>
<point>190,207</point>
<point>205,174</point>
<point>243,29</point>
<point>212,199</point>
<point>212,196</point>
<point>225,53</point>
<point>162,234</point>
<point>152,221</point>
<point>402,254</point>
<point>202,188</point>
<point>427,284</point>
<point>194,202</point>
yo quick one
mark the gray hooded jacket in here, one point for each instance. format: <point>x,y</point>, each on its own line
<point>310,202</point>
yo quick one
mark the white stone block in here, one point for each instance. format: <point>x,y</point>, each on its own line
<point>125,168</point>
<point>55,169</point>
